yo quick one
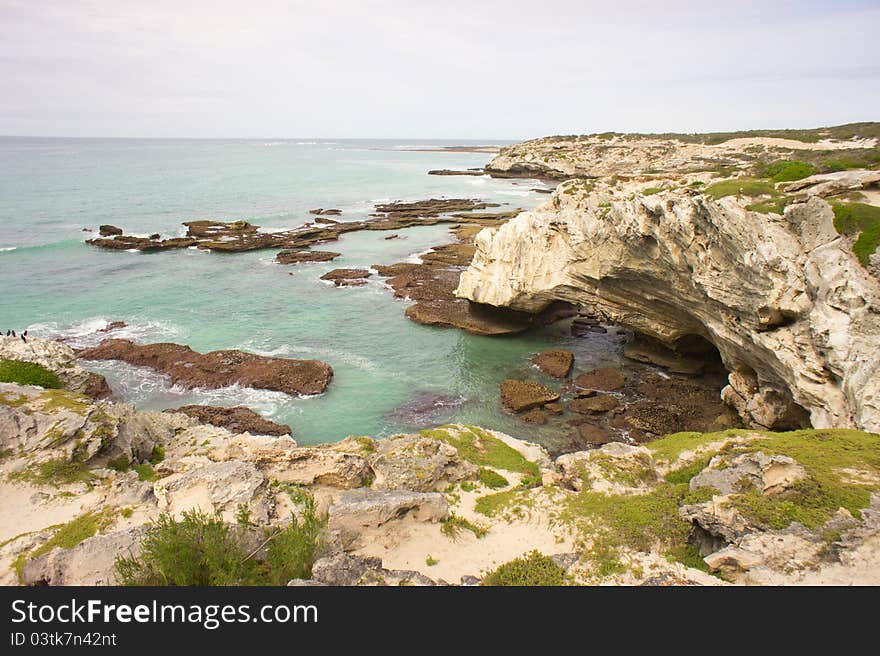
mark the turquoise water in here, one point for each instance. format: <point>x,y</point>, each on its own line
<point>391,375</point>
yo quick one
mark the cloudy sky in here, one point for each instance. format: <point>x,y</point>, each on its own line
<point>431,68</point>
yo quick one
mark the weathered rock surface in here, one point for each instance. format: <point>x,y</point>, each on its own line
<point>91,562</point>
<point>58,358</point>
<point>554,362</point>
<point>521,395</point>
<point>237,419</point>
<point>758,471</point>
<point>280,459</point>
<point>785,301</point>
<point>355,511</point>
<point>190,369</point>
<point>594,404</point>
<point>341,568</point>
<point>605,379</point>
<point>215,487</point>
<point>613,469</point>
<point>418,463</point>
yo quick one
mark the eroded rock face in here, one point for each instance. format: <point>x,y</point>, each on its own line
<point>613,469</point>
<point>215,487</point>
<point>783,299</point>
<point>190,369</point>
<point>238,419</point>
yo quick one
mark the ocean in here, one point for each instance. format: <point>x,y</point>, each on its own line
<point>391,375</point>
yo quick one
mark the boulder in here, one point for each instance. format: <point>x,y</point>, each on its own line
<point>757,471</point>
<point>419,463</point>
<point>521,395</point>
<point>346,569</point>
<point>605,379</point>
<point>108,230</point>
<point>347,277</point>
<point>614,468</point>
<point>594,404</point>
<point>554,362</point>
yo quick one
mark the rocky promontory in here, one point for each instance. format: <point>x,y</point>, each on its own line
<point>776,281</point>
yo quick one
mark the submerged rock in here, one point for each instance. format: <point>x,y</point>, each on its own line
<point>521,395</point>
<point>554,362</point>
<point>605,379</point>
<point>190,369</point>
<point>299,256</point>
<point>347,277</point>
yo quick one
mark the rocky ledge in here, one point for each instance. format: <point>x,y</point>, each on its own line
<point>191,369</point>
<point>793,313</point>
<point>85,481</point>
<point>237,419</point>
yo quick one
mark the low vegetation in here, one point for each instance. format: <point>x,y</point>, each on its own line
<point>785,170</point>
<point>201,549</point>
<point>480,447</point>
<point>58,471</point>
<point>453,525</point>
<point>28,373</point>
<point>532,569</point>
<point>861,221</point>
<point>740,187</point>
<point>492,479</point>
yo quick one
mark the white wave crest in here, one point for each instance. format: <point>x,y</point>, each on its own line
<point>91,331</point>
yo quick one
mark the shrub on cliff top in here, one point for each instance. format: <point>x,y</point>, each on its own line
<point>201,549</point>
<point>786,170</point>
<point>740,187</point>
<point>861,219</point>
<point>28,373</point>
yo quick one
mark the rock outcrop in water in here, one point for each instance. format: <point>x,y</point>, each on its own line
<point>793,314</point>
<point>191,369</point>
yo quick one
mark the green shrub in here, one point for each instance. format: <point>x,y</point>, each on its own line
<point>291,552</point>
<point>197,550</point>
<point>145,472</point>
<point>650,191</point>
<point>201,549</point>
<point>492,479</point>
<point>532,569</point>
<point>786,170</point>
<point>28,373</point>
<point>57,471</point>
<point>861,219</point>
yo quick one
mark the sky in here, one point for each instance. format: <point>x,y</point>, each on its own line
<point>432,69</point>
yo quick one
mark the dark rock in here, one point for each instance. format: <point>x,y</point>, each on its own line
<point>329,212</point>
<point>96,387</point>
<point>535,416</point>
<point>456,172</point>
<point>113,325</point>
<point>347,277</point>
<point>606,379</point>
<point>594,434</point>
<point>554,408</point>
<point>521,395</point>
<point>107,230</point>
<point>238,419</point>
<point>190,369</point>
<point>594,404</point>
<point>155,236</point>
<point>555,362</point>
<point>644,349</point>
<point>424,409</point>
<point>299,256</point>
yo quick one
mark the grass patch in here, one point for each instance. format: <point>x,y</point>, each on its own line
<point>740,187</point>
<point>532,569</point>
<point>492,479</point>
<point>430,561</point>
<point>145,472</point>
<point>650,191</point>
<point>775,205</point>
<point>668,449</point>
<point>492,505</point>
<point>861,219</point>
<point>57,471</point>
<point>28,373</point>
<point>483,449</point>
<point>453,525</point>
<point>786,170</point>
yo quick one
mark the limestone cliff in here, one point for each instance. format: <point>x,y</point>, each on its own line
<point>792,312</point>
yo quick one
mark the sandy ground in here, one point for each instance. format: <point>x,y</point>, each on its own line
<point>824,144</point>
